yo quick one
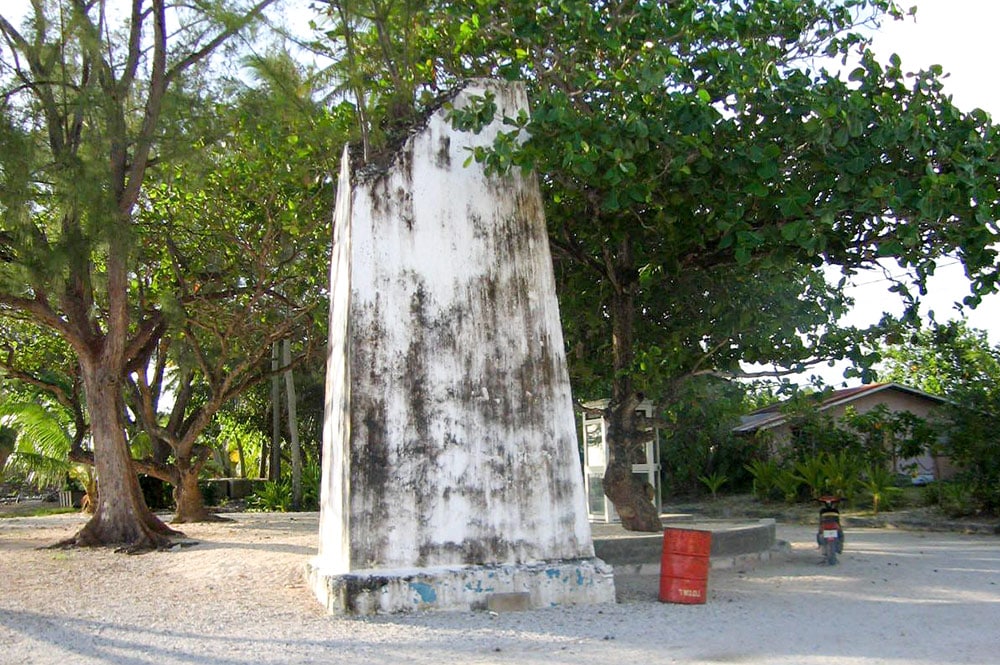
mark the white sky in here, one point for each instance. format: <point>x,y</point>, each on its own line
<point>961,36</point>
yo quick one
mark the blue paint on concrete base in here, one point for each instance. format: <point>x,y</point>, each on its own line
<point>426,592</point>
<point>545,584</point>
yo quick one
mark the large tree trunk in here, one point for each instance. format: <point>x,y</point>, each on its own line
<point>187,495</point>
<point>121,516</point>
<point>627,492</point>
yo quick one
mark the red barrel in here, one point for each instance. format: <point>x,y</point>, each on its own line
<point>684,566</point>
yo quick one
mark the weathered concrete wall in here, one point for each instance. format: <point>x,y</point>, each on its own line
<point>449,437</point>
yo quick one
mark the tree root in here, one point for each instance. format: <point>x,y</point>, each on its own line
<point>145,535</point>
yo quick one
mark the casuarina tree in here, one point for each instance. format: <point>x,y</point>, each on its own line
<point>85,89</point>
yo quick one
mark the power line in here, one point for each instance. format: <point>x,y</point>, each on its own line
<point>896,276</point>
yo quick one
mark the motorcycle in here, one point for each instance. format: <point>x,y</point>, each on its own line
<point>830,536</point>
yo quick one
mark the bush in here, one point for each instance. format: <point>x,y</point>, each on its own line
<point>273,497</point>
<point>956,498</point>
<point>312,476</point>
<point>788,483</point>
<point>843,474</point>
<point>812,472</point>
<point>765,478</point>
<point>881,485</point>
<point>713,482</point>
<point>157,494</point>
<point>209,492</point>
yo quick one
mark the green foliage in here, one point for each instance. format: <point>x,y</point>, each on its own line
<point>241,444</point>
<point>830,473</point>
<point>376,47</point>
<point>942,359</point>
<point>843,472</point>
<point>209,492</point>
<point>765,477</point>
<point>475,115</point>
<point>697,438</point>
<point>816,432</point>
<point>788,483</point>
<point>814,473</point>
<point>959,363</point>
<point>840,446</point>
<point>956,498</point>
<point>277,496</point>
<point>665,126</point>
<point>312,478</point>
<point>41,445</point>
<point>699,166</point>
<point>714,482</point>
<point>879,482</point>
<point>888,436</point>
<point>90,115</point>
<point>274,496</point>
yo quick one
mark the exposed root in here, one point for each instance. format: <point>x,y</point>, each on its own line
<point>147,535</point>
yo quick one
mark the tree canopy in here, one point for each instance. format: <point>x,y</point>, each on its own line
<point>701,161</point>
<point>90,101</point>
<point>958,363</point>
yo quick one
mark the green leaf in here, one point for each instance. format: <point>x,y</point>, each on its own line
<point>888,248</point>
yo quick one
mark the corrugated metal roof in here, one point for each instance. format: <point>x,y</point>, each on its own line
<point>771,416</point>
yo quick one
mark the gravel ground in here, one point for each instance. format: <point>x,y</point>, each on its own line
<point>237,597</point>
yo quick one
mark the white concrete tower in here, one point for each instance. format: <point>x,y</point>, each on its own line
<point>451,476</point>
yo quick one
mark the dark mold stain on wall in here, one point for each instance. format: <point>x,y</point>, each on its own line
<point>443,156</point>
<point>473,377</point>
<point>371,470</point>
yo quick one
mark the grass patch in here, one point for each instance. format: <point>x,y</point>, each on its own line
<point>16,510</point>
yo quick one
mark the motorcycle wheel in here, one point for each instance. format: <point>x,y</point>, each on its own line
<point>830,552</point>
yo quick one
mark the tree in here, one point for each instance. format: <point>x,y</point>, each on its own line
<point>82,104</point>
<point>698,440</point>
<point>943,359</point>
<point>238,262</point>
<point>692,151</point>
<point>374,48</point>
<point>36,366</point>
<point>42,402</point>
<point>958,363</point>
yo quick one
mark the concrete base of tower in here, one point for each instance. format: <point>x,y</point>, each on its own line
<point>485,587</point>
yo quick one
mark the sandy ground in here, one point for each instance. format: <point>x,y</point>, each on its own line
<point>237,597</point>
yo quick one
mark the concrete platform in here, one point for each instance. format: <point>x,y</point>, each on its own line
<point>734,544</point>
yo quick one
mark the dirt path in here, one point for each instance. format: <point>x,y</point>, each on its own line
<point>237,597</point>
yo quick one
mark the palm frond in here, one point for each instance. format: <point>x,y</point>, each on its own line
<point>42,444</point>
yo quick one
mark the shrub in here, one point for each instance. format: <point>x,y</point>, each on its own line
<point>812,472</point>
<point>765,478</point>
<point>274,497</point>
<point>843,474</point>
<point>956,498</point>
<point>788,483</point>
<point>881,484</point>
<point>713,482</point>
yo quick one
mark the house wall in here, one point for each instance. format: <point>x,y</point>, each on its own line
<point>895,401</point>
